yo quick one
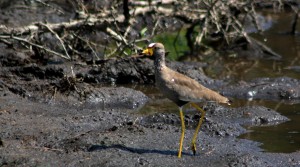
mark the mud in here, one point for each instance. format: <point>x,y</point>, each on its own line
<point>39,134</point>
<point>66,114</point>
<point>282,88</point>
<point>75,113</point>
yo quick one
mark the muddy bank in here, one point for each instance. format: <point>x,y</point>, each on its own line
<point>34,134</point>
<point>282,88</point>
<point>62,83</point>
<point>140,71</point>
<point>133,70</point>
<point>57,112</point>
<point>60,114</point>
<point>51,115</point>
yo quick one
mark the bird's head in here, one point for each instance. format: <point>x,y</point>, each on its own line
<point>154,49</point>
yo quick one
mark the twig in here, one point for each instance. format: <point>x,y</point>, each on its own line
<point>116,36</point>
<point>45,4</point>
<point>6,42</point>
<point>99,22</point>
<point>153,2</point>
<point>60,40</point>
<point>155,26</point>
<point>34,44</point>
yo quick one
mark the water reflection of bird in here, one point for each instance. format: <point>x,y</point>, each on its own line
<point>180,89</point>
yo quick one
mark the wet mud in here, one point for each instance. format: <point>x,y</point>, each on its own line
<point>55,112</point>
<point>51,115</point>
<point>281,88</point>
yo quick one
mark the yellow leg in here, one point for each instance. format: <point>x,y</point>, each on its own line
<point>198,127</point>
<point>182,132</point>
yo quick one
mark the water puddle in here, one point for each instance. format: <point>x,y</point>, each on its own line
<point>284,137</point>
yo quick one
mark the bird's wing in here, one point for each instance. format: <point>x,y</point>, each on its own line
<point>189,89</point>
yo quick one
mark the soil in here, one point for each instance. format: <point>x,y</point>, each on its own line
<point>71,113</point>
<point>50,116</point>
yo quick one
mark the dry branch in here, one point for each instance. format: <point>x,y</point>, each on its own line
<point>153,2</point>
<point>33,44</point>
<point>205,17</point>
<point>59,39</point>
<point>92,20</point>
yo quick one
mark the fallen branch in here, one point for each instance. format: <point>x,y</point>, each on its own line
<point>59,39</point>
<point>35,45</point>
<point>92,20</point>
<point>218,19</point>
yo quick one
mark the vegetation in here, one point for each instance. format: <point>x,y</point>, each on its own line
<point>101,29</point>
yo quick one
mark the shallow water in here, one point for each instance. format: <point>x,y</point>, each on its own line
<point>283,137</point>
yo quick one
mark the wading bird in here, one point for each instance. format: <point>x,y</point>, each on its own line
<point>180,89</point>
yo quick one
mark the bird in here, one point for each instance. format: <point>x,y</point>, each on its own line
<point>181,89</point>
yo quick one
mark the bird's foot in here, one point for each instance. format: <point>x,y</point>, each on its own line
<point>194,148</point>
<point>179,154</point>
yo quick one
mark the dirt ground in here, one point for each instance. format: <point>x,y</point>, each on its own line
<point>55,112</point>
<point>48,118</point>
<point>53,134</point>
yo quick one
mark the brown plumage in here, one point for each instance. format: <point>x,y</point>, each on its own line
<point>180,89</point>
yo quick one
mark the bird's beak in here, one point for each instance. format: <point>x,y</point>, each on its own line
<point>148,52</point>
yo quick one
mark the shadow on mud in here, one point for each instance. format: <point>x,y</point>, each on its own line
<point>135,150</point>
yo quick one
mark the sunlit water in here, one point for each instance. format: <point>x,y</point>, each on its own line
<point>284,137</point>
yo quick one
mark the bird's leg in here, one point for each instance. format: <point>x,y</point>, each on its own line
<point>198,127</point>
<point>182,132</point>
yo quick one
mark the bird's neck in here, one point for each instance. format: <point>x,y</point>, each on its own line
<point>159,63</point>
